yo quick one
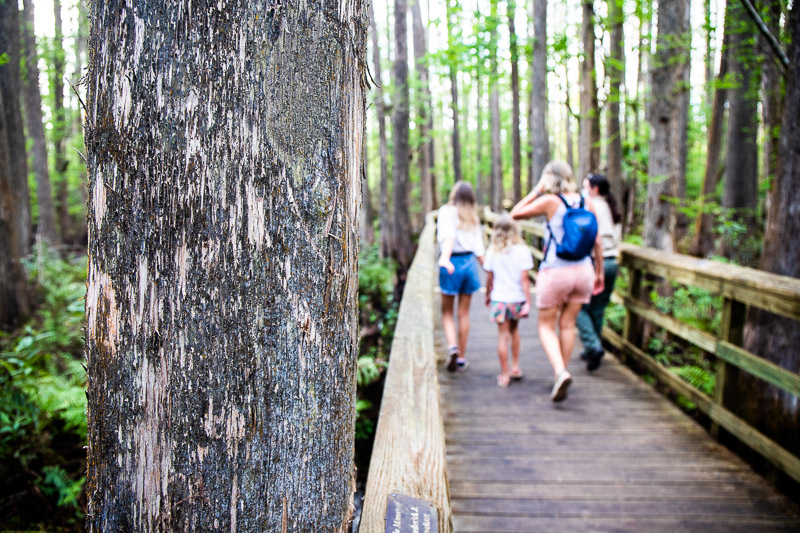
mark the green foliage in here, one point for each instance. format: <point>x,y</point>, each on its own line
<point>700,378</point>
<point>369,368</point>
<point>365,426</point>
<point>699,308</point>
<point>42,394</point>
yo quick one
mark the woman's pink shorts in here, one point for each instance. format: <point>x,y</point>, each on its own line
<point>557,286</point>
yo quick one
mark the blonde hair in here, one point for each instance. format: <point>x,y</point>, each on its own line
<point>463,198</point>
<point>557,178</point>
<point>505,234</point>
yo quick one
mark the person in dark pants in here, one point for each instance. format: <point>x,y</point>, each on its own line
<point>590,318</point>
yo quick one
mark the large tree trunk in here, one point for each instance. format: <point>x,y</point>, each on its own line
<point>540,145</point>
<point>615,70</point>
<point>740,196</point>
<point>703,240</point>
<point>385,219</point>
<point>60,129</point>
<point>400,181</point>
<point>423,100</point>
<point>681,219</point>
<point>452,23</point>
<point>494,111</point>
<point>221,330</point>
<point>589,130</point>
<point>10,86</point>
<point>774,411</point>
<point>665,124</point>
<point>771,101</point>
<point>516,156</point>
<point>33,112</point>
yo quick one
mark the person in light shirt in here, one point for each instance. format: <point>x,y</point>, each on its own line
<point>460,238</point>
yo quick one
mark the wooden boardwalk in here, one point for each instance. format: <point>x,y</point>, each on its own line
<point>615,456</point>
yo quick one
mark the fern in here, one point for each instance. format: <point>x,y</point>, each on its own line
<point>698,377</point>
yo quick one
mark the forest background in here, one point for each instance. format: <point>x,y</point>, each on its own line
<point>485,102</point>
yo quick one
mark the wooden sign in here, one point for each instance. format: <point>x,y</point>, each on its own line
<point>405,514</point>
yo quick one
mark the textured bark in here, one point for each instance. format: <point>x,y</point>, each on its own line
<point>33,112</point>
<point>665,124</point>
<point>774,411</point>
<point>452,23</point>
<point>740,195</point>
<point>703,239</point>
<point>221,330</point>
<point>366,229</point>
<point>423,101</point>
<point>771,101</point>
<point>516,157</point>
<point>60,130</point>
<point>385,219</point>
<point>589,130</point>
<point>615,70</point>
<point>709,55</point>
<point>10,86</point>
<point>540,146</point>
<point>480,187</point>
<point>402,249</point>
<point>494,111</point>
<point>681,219</point>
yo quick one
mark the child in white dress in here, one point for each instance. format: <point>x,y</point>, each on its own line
<point>508,292</point>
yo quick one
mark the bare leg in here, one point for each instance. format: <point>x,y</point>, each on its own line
<point>512,326</point>
<point>549,339</point>
<point>503,335</point>
<point>567,329</point>
<point>448,322</point>
<point>463,322</point>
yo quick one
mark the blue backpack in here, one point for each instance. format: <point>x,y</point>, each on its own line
<point>580,232</point>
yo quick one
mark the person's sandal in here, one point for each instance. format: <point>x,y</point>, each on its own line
<point>452,363</point>
<point>560,387</point>
<point>503,381</point>
<point>462,364</point>
<point>516,376</point>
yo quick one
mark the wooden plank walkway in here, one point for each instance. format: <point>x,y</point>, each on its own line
<point>615,456</point>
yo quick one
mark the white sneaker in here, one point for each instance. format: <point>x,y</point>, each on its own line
<point>560,387</point>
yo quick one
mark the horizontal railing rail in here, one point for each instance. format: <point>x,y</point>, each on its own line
<point>408,455</point>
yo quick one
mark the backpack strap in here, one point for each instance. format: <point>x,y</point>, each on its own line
<point>566,203</point>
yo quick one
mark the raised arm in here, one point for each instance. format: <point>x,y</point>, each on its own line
<point>599,271</point>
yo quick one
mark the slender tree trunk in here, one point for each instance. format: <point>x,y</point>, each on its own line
<point>614,69</point>
<point>366,229</point>
<point>494,111</point>
<point>665,124</point>
<point>703,240</point>
<point>423,100</point>
<point>33,111</point>
<point>570,139</point>
<point>589,132</point>
<point>538,132</point>
<point>740,196</point>
<point>14,302</point>
<point>385,219</point>
<point>774,411</point>
<point>709,55</point>
<point>17,174</point>
<point>771,101</point>
<point>60,130</point>
<point>516,156</point>
<point>681,219</point>
<point>221,306</point>
<point>400,181</point>
<point>480,186</point>
<point>452,24</point>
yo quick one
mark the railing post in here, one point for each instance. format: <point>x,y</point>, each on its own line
<point>631,331</point>
<point>734,315</point>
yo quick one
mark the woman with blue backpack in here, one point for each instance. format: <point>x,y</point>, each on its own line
<point>567,278</point>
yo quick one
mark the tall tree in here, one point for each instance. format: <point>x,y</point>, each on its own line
<point>365,227</point>
<point>615,69</point>
<point>60,128</point>
<point>494,111</point>
<point>703,239</point>
<point>33,111</point>
<point>221,327</point>
<point>772,94</point>
<point>423,101</point>
<point>589,127</point>
<point>11,87</point>
<point>741,177</point>
<point>453,54</point>
<point>480,188</point>
<point>516,156</point>
<point>681,218</point>
<point>770,336</point>
<point>400,181</point>
<point>672,53</point>
<point>540,146</point>
<point>380,109</point>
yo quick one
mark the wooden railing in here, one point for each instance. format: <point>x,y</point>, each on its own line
<point>409,452</point>
<point>739,287</point>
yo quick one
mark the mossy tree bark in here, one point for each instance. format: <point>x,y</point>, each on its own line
<point>401,233</point>
<point>224,157</point>
<point>540,145</point>
<point>589,127</point>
